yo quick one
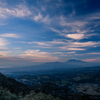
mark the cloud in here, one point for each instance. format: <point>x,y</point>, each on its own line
<point>75,49</point>
<point>18,11</point>
<point>92,60</point>
<point>56,42</point>
<point>42,46</point>
<point>65,44</point>
<point>67,48</point>
<point>56,53</point>
<point>22,11</point>
<point>35,52</point>
<point>46,43</point>
<point>94,16</point>
<point>37,56</point>
<point>10,35</point>
<point>94,53</point>
<point>75,36</point>
<point>10,61</point>
<point>37,18</point>
<point>75,28</point>
<point>46,19</point>
<point>4,53</point>
<point>72,44</point>
<point>79,45</point>
<point>41,18</point>
<point>57,31</point>
<point>70,52</point>
<point>1,24</point>
<point>3,47</point>
<point>3,43</point>
<point>39,43</point>
<point>43,8</point>
<point>85,44</point>
<point>79,54</point>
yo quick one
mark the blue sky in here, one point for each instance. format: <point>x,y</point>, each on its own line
<point>48,31</point>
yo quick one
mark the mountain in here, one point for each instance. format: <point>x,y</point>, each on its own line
<point>72,63</point>
<point>75,60</point>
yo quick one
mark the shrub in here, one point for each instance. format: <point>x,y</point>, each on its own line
<point>6,95</point>
<point>39,96</point>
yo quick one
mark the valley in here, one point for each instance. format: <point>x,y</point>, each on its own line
<point>64,83</point>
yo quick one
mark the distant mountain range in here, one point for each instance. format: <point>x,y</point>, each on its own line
<point>72,63</point>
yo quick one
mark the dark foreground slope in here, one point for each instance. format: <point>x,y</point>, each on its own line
<point>7,95</point>
<point>10,89</point>
<point>12,85</point>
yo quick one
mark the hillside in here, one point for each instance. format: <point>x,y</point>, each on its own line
<point>10,89</point>
<point>12,85</point>
<point>7,95</point>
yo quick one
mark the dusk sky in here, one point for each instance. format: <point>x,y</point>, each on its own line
<point>48,31</point>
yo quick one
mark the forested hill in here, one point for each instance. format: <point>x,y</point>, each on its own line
<point>10,89</point>
<point>12,85</point>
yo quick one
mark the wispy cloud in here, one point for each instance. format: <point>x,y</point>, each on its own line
<point>22,11</point>
<point>57,31</point>
<point>19,11</point>
<point>92,60</point>
<point>71,52</point>
<point>75,36</point>
<point>46,19</point>
<point>3,43</point>
<point>1,24</point>
<point>85,44</point>
<point>94,16</point>
<point>76,49</point>
<point>10,61</point>
<point>39,43</point>
<point>38,17</point>
<point>68,45</point>
<point>4,53</point>
<point>75,28</point>
<point>10,35</point>
<point>56,53</point>
<point>38,56</point>
<point>68,48</point>
<point>94,53</point>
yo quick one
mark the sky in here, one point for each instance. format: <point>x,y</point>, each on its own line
<point>33,31</point>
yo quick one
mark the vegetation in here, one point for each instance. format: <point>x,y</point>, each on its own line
<point>12,85</point>
<point>10,89</point>
<point>7,95</point>
<point>48,87</point>
<point>38,96</point>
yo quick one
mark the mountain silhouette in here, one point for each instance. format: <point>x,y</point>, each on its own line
<point>71,63</point>
<point>75,60</point>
